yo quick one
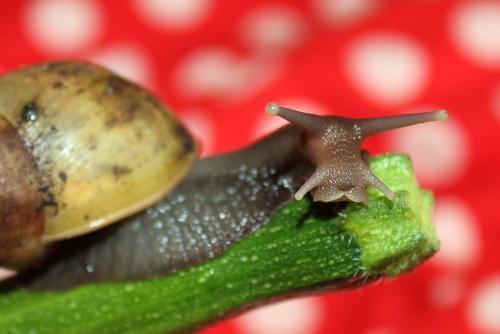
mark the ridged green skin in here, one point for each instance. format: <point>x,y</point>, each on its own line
<point>298,252</point>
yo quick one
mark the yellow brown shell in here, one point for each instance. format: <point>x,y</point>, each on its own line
<point>80,148</point>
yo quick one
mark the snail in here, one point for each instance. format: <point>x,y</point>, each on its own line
<point>107,186</point>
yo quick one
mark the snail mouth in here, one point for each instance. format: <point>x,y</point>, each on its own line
<point>354,194</point>
<point>328,195</point>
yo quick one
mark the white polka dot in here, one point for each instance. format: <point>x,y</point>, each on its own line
<point>446,291</point>
<point>456,228</point>
<point>341,12</point>
<point>298,316</point>
<point>388,69</point>
<point>265,124</point>
<point>440,152</point>
<point>63,27</point>
<point>127,60</point>
<point>211,72</point>
<point>484,307</point>
<point>274,30</point>
<point>475,30</point>
<point>6,273</point>
<point>219,73</point>
<point>201,125</point>
<point>175,15</point>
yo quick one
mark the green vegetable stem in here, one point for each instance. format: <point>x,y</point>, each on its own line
<point>306,248</point>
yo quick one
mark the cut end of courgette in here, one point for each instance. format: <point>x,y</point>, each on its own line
<point>395,236</point>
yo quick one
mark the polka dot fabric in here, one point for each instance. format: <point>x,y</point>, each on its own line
<point>217,64</point>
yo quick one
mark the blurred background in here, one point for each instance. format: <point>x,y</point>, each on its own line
<point>218,63</point>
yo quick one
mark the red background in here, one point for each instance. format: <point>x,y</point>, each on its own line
<point>217,63</point>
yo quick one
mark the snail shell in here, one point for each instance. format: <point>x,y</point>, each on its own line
<point>80,148</point>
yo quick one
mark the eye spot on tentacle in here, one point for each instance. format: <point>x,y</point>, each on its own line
<point>333,145</point>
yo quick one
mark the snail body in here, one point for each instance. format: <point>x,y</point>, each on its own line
<point>220,201</point>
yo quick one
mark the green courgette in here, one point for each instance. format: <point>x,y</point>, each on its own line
<point>298,252</point>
